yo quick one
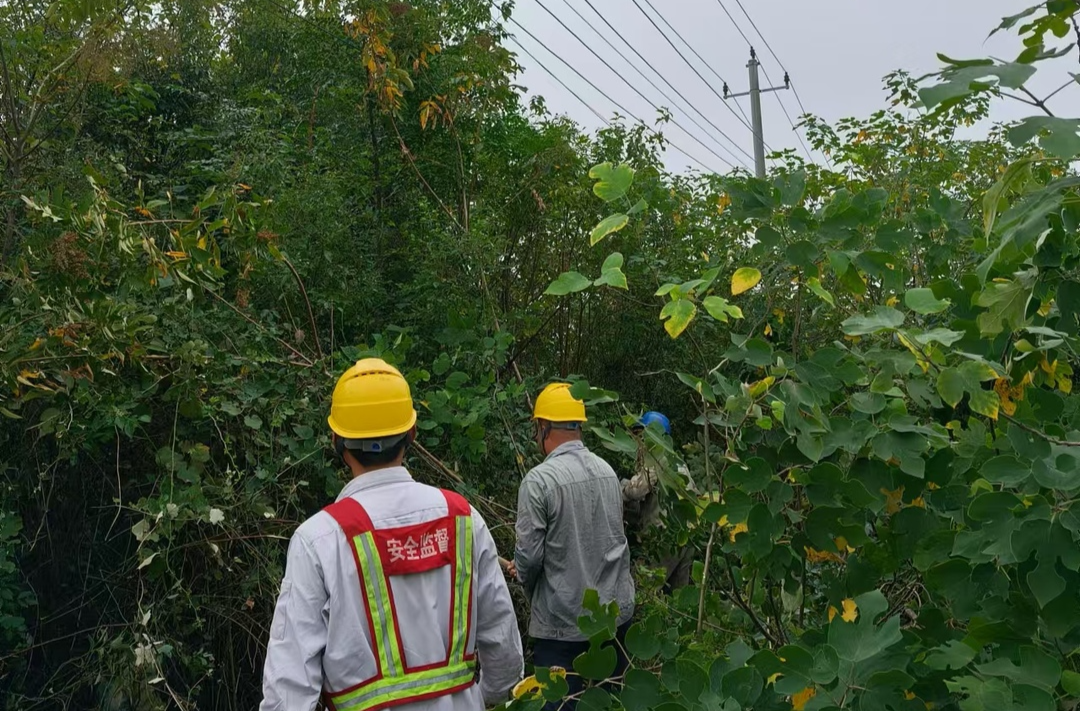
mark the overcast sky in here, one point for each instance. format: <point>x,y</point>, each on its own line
<point>837,52</point>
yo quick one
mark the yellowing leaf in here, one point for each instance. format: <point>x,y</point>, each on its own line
<point>722,203</point>
<point>528,686</point>
<point>893,499</point>
<point>799,700</point>
<point>761,387</point>
<point>736,530</point>
<point>816,556</point>
<point>851,611</point>
<point>772,678</point>
<point>744,280</point>
<point>916,351</point>
<point>1044,308</point>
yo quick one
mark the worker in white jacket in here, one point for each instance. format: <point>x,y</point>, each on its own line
<point>394,592</point>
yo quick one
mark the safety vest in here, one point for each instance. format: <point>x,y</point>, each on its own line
<point>382,553</point>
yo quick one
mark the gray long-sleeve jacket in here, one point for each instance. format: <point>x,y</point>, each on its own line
<point>570,539</point>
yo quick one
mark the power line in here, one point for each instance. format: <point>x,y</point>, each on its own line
<point>701,59</point>
<point>794,89</point>
<point>634,88</point>
<point>779,100</point>
<point>682,56</point>
<point>604,94</point>
<point>561,83</point>
<point>616,103</point>
<point>650,66</point>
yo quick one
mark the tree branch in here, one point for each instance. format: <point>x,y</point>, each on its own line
<point>307,301</point>
<point>1040,433</point>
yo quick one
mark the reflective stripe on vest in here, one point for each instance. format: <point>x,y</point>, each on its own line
<point>382,553</point>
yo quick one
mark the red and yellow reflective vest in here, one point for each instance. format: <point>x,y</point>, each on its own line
<point>380,554</point>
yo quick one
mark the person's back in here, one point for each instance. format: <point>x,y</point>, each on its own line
<point>392,592</point>
<point>571,539</point>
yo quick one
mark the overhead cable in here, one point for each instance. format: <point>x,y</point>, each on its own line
<point>622,108</point>
<point>794,88</point>
<point>634,88</point>
<point>650,66</point>
<point>688,63</point>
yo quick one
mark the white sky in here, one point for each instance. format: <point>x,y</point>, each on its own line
<point>837,52</point>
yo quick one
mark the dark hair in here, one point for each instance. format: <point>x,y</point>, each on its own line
<point>378,459</point>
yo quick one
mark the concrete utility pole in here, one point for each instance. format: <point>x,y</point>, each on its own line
<point>755,109</point>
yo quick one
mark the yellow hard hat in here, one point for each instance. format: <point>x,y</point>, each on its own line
<point>556,404</point>
<point>371,401</point>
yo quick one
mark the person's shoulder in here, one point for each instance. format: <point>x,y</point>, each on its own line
<point>600,461</point>
<point>316,529</point>
<point>540,473</point>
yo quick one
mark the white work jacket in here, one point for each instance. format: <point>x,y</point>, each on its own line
<point>320,637</point>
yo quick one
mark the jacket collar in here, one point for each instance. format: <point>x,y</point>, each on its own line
<point>377,478</point>
<point>566,448</point>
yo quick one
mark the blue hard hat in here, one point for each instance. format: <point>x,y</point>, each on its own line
<point>652,416</point>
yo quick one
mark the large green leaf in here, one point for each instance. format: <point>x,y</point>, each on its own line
<point>960,81</point>
<point>819,291</point>
<point>597,664</point>
<point>862,639</point>
<point>1036,667</point>
<point>594,699</point>
<point>1070,681</point>
<point>641,691</point>
<point>1007,303</point>
<point>951,655</point>
<point>1057,136</point>
<point>743,685</point>
<point>1045,582</point>
<point>982,695</point>
<point>1015,176</point>
<point>568,283</point>
<point>882,318</point>
<point>923,301</point>
<point>643,638</point>
<point>607,226</point>
<point>612,181</point>
<point>611,273</point>
<point>1005,470</point>
<point>720,309</point>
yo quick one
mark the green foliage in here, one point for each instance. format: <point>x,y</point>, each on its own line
<point>870,380</point>
<point>885,474</point>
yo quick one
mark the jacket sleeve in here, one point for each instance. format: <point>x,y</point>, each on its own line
<point>292,675</point>
<point>498,643</point>
<point>531,533</point>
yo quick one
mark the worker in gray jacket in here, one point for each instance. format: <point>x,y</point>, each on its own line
<point>570,535</point>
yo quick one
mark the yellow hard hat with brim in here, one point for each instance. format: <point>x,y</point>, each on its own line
<point>556,404</point>
<point>371,401</point>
